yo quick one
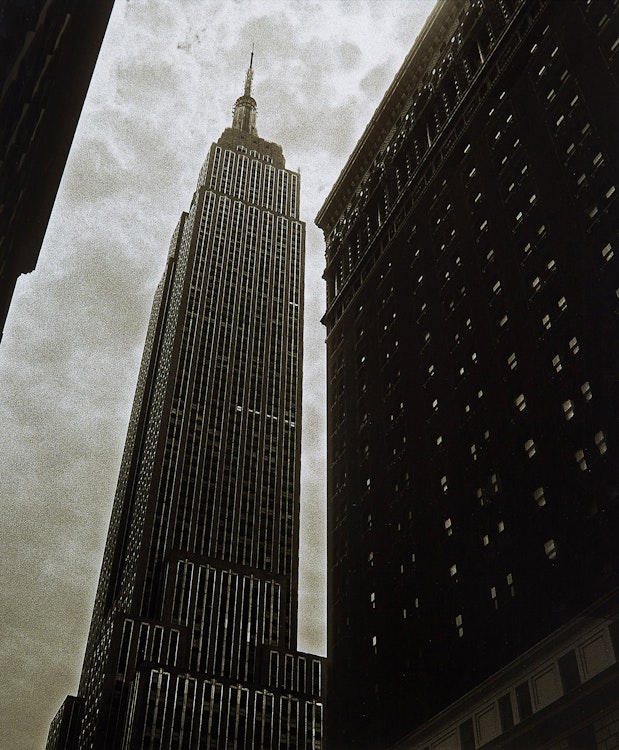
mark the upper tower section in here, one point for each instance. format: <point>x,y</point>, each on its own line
<point>244,112</point>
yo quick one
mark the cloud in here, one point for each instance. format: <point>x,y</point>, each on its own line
<point>163,90</point>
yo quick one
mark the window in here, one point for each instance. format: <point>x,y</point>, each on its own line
<point>546,322</point>
<point>568,409</point>
<point>586,391</point>
<point>448,527</point>
<point>574,345</point>
<point>486,540</point>
<point>580,459</point>
<point>530,449</point>
<point>562,304</point>
<point>453,570</point>
<point>600,441</point>
<point>501,526</point>
<point>520,402</point>
<point>607,252</point>
<point>444,483</point>
<point>550,548</point>
<point>459,626</point>
<point>539,497</point>
<point>512,361</point>
<point>556,361</point>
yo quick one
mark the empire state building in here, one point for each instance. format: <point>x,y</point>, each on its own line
<point>193,637</point>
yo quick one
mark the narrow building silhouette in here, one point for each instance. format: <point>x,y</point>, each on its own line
<point>472,352</point>
<point>48,51</point>
<point>194,632</point>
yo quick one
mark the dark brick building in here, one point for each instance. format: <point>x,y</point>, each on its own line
<point>472,347</point>
<point>48,51</point>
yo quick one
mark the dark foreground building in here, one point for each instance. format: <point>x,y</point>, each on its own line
<point>48,51</point>
<point>472,346</point>
<point>194,632</point>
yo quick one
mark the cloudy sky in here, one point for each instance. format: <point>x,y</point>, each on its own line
<point>167,77</point>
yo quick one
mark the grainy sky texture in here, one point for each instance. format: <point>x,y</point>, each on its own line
<point>167,77</point>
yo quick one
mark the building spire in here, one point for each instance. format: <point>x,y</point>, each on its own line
<point>244,113</point>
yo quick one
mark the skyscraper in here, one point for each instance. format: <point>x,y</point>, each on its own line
<point>472,339</point>
<point>193,636</point>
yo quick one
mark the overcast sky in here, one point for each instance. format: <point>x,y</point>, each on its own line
<point>163,89</point>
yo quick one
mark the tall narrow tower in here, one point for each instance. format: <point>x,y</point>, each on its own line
<point>193,636</point>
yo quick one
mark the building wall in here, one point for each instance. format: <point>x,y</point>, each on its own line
<point>472,293</point>
<point>49,50</point>
<point>194,631</point>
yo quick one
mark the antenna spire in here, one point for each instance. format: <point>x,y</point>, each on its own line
<point>244,113</point>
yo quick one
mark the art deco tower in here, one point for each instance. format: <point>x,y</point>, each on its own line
<point>193,637</point>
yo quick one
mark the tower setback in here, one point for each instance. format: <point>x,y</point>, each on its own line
<point>472,339</point>
<point>194,630</point>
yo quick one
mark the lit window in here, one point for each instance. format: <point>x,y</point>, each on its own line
<point>431,370</point>
<point>574,345</point>
<point>512,361</point>
<point>480,393</point>
<point>546,322</point>
<point>444,483</point>
<point>453,570</point>
<point>439,439</point>
<point>495,483</point>
<point>459,626</point>
<point>373,640</point>
<point>529,447</point>
<point>536,283</point>
<point>493,592</point>
<point>497,287</point>
<point>501,526</point>
<point>562,304</point>
<point>607,252</point>
<point>610,191</point>
<point>586,391</point>
<point>448,527</point>
<point>556,361</point>
<point>600,441</point>
<point>539,497</point>
<point>416,603</point>
<point>373,599</point>
<point>503,321</point>
<point>568,409</point>
<point>598,159</point>
<point>520,402</point>
<point>580,459</point>
<point>550,548</point>
<point>474,452</point>
<point>486,540</point>
<point>435,404</point>
<point>371,559</point>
